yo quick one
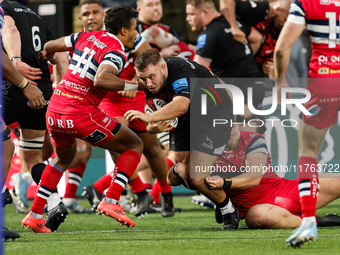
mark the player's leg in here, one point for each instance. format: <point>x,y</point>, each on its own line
<point>157,161</point>
<point>75,175</point>
<point>130,147</point>
<point>145,173</point>
<point>310,140</point>
<point>8,149</point>
<point>329,189</point>
<point>271,216</point>
<point>311,133</point>
<point>30,152</point>
<point>49,180</point>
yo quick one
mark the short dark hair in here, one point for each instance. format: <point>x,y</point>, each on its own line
<point>196,3</point>
<point>90,2</point>
<point>118,17</point>
<point>146,58</point>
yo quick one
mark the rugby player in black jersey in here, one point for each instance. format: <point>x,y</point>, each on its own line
<point>195,141</point>
<point>24,35</point>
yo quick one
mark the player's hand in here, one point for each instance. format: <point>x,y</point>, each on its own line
<point>133,114</point>
<point>131,94</point>
<point>155,127</point>
<point>35,96</point>
<point>172,50</point>
<point>214,182</point>
<point>30,73</point>
<point>238,35</point>
<point>279,84</point>
<point>268,68</point>
<point>48,56</point>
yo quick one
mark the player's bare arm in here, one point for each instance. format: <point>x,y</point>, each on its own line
<point>228,9</point>
<point>289,34</point>
<point>132,94</point>
<point>254,164</point>
<point>106,78</point>
<point>31,92</point>
<point>176,108</point>
<point>51,47</point>
<point>12,43</point>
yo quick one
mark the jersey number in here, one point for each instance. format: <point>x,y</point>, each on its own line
<point>36,38</point>
<point>332,29</point>
<point>84,59</point>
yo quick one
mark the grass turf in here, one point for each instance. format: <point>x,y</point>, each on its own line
<point>193,231</point>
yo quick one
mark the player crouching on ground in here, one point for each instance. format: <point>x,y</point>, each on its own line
<point>263,199</point>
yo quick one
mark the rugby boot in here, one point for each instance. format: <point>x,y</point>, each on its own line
<point>36,225</point>
<point>303,234</point>
<point>56,216</point>
<point>116,212</point>
<point>167,205</point>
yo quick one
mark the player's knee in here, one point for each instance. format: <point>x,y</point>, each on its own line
<point>152,151</point>
<point>256,218</point>
<point>86,150</point>
<point>138,145</point>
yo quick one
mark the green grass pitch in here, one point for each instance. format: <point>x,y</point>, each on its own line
<point>193,231</point>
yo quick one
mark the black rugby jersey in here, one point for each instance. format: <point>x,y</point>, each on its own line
<point>34,34</point>
<point>230,59</point>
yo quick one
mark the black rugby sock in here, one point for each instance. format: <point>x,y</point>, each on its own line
<point>36,173</point>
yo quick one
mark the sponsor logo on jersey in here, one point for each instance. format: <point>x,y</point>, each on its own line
<point>324,70</point>
<point>227,30</point>
<point>210,145</point>
<point>314,109</point>
<point>57,91</point>
<point>96,42</point>
<point>322,59</point>
<point>201,41</point>
<point>336,2</point>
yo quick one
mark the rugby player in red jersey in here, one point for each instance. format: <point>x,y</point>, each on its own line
<point>322,20</point>
<point>73,113</point>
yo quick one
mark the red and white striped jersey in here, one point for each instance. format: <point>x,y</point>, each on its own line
<point>322,20</point>
<point>76,92</point>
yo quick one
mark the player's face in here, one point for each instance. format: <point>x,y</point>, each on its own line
<point>150,11</point>
<point>153,77</point>
<point>194,18</point>
<point>131,34</point>
<point>279,20</point>
<point>234,138</point>
<point>92,17</point>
